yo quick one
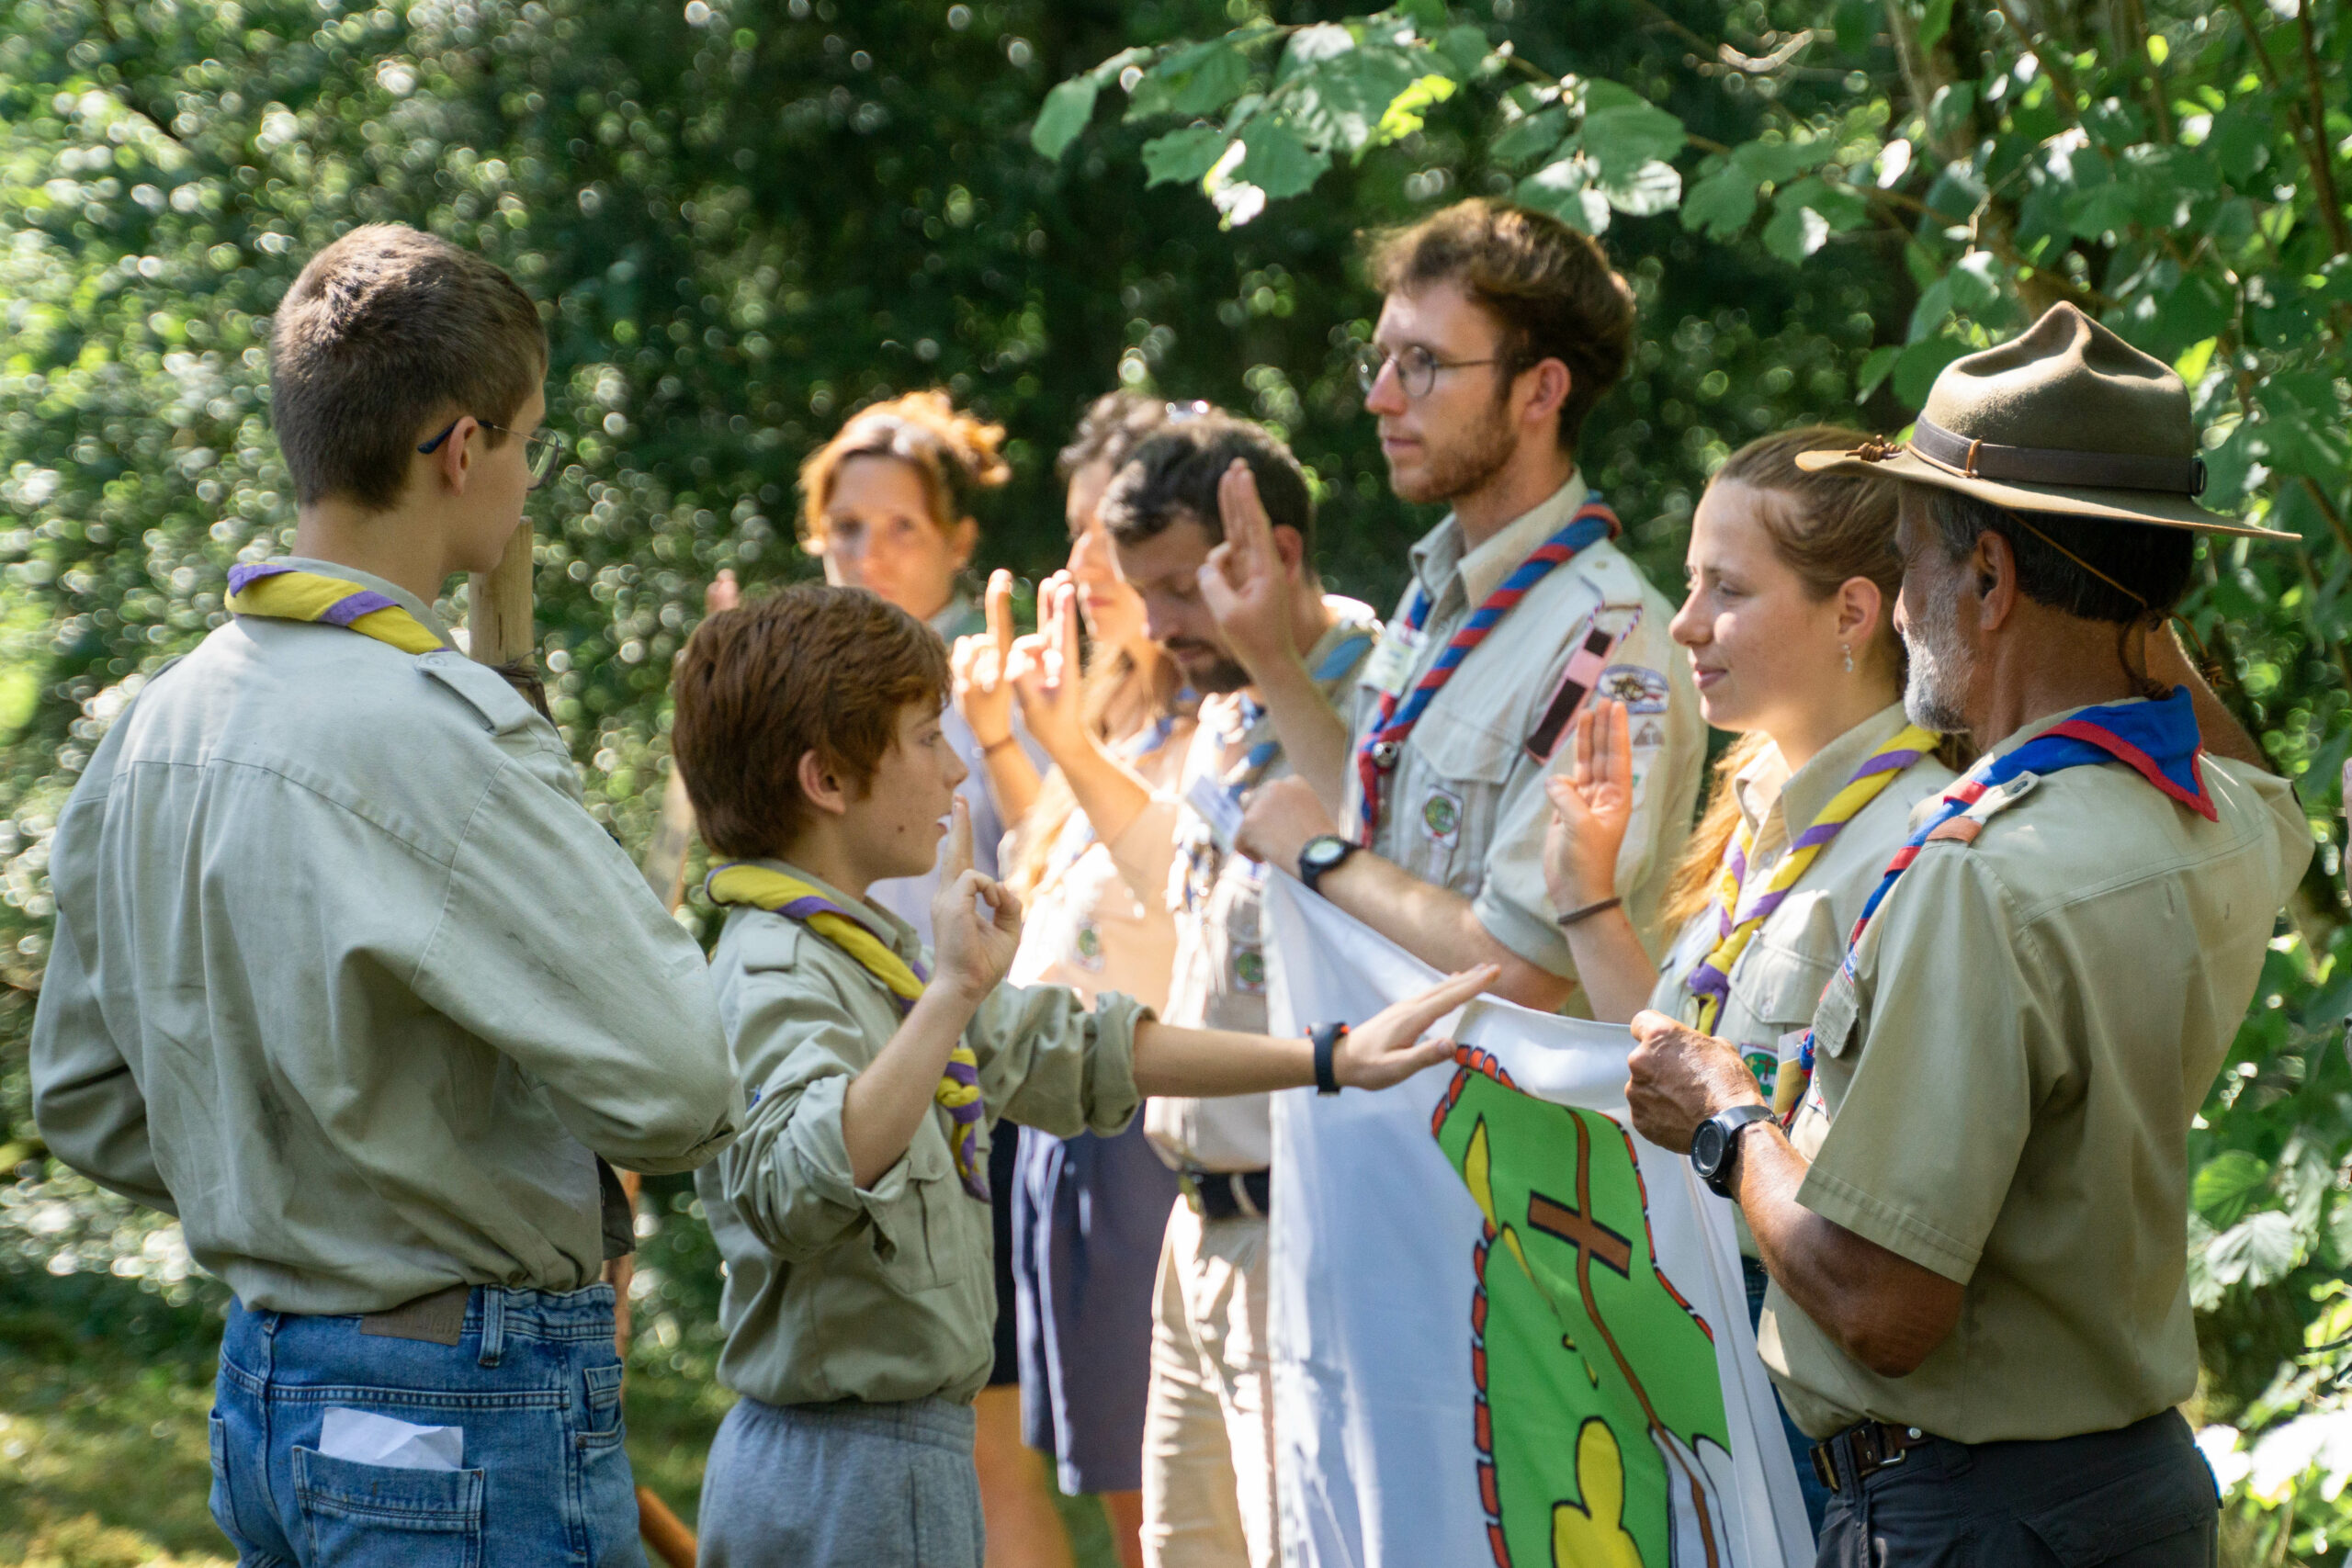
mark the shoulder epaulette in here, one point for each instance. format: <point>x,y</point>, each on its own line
<point>1965,827</point>
<point>501,707</point>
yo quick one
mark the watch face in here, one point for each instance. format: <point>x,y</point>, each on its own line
<point>1326,851</point>
<point>1707,1147</point>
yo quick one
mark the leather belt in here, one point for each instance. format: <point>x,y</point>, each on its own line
<point>1866,1448</point>
<point>1229,1195</point>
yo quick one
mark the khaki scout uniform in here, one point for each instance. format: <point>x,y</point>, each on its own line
<point>1464,807</point>
<point>880,1294</point>
<point>1208,1472</point>
<point>2001,1094</point>
<point>346,979</point>
<point>1778,980</point>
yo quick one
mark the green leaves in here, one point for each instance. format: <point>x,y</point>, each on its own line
<point>1622,130</point>
<point>1277,160</point>
<point>1067,109</point>
<point>1187,154</point>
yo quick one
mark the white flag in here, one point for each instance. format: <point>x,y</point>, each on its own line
<point>1502,1331</point>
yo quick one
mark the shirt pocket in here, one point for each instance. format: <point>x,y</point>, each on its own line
<point>1778,982</point>
<point>1446,800</point>
<point>921,1232</point>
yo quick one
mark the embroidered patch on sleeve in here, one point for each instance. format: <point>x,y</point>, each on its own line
<point>1641,689</point>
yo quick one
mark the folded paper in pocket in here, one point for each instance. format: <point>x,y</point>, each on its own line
<point>365,1437</point>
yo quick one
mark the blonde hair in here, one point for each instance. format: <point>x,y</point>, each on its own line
<point>953,453</point>
<point>1829,528</point>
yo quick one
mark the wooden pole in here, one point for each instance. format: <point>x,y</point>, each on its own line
<point>500,632</point>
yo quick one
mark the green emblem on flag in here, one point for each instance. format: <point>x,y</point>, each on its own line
<point>1601,1437</point>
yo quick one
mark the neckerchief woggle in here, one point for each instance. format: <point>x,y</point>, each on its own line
<point>1710,980</point>
<point>2155,739</point>
<point>281,593</point>
<point>959,1087</point>
<point>1393,721</point>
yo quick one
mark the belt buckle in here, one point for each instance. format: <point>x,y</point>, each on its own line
<point>1823,1455</point>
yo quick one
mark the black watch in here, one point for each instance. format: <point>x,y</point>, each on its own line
<point>1715,1147</point>
<point>1324,852</point>
<point>1327,1038</point>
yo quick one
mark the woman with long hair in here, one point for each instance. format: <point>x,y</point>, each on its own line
<point>1788,626</point>
<point>1088,1212</point>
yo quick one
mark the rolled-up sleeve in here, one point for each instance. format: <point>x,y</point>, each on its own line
<point>1050,1062</point>
<point>550,948</point>
<point>788,1175</point>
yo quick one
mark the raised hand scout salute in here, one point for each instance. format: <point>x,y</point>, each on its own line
<point>346,978</point>
<point>1976,1224</point>
<point>1501,330</point>
<point>854,1213</point>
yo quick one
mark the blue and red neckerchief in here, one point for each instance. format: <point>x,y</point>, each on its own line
<point>2158,740</point>
<point>1391,723</point>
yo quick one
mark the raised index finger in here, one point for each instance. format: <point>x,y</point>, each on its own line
<point>1244,513</point>
<point>959,842</point>
<point>999,609</point>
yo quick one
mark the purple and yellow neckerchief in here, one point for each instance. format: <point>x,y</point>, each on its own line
<point>1737,923</point>
<point>958,1093</point>
<point>2155,739</point>
<point>281,593</point>
<point>1393,720</point>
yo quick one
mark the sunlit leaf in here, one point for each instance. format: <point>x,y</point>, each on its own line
<point>1067,109</point>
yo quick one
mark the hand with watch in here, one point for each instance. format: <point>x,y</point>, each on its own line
<point>1324,852</point>
<point>1688,1091</point>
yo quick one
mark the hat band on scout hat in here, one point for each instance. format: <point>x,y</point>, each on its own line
<point>2054,465</point>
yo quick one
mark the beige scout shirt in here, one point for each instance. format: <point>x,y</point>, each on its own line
<point>345,978</point>
<point>1086,926</point>
<point>1220,976</point>
<point>887,1292</point>
<point>1779,976</point>
<point>1464,808</point>
<point>2003,1095</point>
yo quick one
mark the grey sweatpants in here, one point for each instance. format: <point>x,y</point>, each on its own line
<point>845,1486</point>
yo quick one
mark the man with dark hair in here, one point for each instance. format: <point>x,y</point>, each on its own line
<point>1499,331</point>
<point>346,979</point>
<point>1209,500</point>
<point>1976,1219</point>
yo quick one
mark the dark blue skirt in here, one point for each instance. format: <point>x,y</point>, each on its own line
<point>1089,1214</point>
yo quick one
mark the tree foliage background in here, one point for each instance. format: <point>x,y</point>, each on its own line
<point>745,218</point>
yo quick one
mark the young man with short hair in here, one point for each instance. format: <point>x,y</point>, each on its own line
<point>853,1213</point>
<point>1214,489</point>
<point>1499,330</point>
<point>346,979</point>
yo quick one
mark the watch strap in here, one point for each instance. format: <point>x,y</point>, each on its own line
<point>1311,868</point>
<point>1327,1038</point>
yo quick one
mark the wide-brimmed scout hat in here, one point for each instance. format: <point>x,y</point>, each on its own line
<point>2065,418</point>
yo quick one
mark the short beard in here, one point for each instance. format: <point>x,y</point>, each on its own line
<point>1225,675</point>
<point>1464,467</point>
<point>1935,690</point>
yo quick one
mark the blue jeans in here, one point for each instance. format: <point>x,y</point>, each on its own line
<point>534,1382</point>
<point>1817,1497</point>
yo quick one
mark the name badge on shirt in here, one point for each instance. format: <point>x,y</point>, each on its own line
<point>1217,807</point>
<point>1391,663</point>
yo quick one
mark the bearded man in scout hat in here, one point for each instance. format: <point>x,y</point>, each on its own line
<point>1976,1219</point>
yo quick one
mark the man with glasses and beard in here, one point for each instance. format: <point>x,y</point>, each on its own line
<point>1501,330</point>
<point>1208,1488</point>
<point>1976,1219</point>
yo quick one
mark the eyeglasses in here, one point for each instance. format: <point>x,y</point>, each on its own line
<point>1417,368</point>
<point>540,449</point>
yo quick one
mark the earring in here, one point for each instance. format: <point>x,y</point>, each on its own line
<point>1848,651</point>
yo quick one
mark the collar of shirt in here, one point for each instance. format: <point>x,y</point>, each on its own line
<point>902,938</point>
<point>389,589</point>
<point>959,618</point>
<point>1771,797</point>
<point>1440,558</point>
